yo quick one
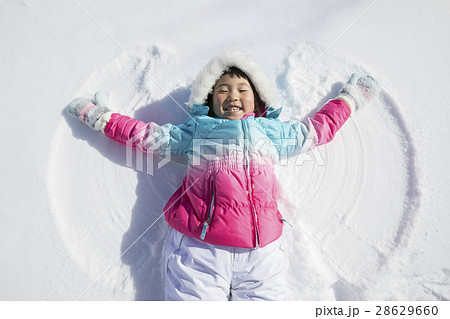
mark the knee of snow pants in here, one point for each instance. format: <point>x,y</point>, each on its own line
<point>195,270</point>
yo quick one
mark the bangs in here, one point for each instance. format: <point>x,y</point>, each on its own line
<point>234,71</point>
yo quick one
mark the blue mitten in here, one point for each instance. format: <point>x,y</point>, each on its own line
<point>89,110</point>
<point>359,91</point>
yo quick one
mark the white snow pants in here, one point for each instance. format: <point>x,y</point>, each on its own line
<point>195,270</point>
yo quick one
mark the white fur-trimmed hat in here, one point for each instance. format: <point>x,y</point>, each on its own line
<point>208,77</point>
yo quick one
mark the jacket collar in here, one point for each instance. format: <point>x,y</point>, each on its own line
<point>272,113</point>
<point>198,109</point>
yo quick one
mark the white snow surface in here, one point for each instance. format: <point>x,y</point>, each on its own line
<point>368,211</point>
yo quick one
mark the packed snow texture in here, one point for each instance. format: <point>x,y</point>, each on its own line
<point>368,210</point>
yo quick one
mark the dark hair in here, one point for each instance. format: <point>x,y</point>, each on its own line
<point>234,71</point>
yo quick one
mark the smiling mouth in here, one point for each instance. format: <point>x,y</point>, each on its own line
<point>232,109</point>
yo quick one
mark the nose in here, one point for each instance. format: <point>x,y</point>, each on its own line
<point>233,97</point>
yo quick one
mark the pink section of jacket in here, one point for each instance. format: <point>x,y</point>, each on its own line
<point>329,120</point>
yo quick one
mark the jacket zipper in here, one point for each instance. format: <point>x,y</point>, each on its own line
<point>249,186</point>
<point>208,221</point>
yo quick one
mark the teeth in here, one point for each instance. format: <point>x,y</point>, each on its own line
<point>233,109</point>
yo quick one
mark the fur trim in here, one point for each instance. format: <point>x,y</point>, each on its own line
<point>102,122</point>
<point>206,79</point>
<point>349,100</point>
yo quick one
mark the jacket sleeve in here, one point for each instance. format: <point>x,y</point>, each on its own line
<point>291,138</point>
<point>150,137</point>
<point>329,120</point>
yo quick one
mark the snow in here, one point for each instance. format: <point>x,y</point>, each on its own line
<point>369,210</point>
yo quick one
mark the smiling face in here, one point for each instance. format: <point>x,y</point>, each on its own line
<point>233,98</point>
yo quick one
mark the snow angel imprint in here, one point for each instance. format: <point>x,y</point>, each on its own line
<point>225,224</point>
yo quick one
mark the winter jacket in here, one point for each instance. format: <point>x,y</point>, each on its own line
<point>228,196</point>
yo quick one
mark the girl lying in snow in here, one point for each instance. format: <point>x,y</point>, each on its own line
<point>226,227</point>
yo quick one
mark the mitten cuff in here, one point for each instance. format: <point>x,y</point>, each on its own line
<point>95,114</point>
<point>102,121</point>
<point>349,100</point>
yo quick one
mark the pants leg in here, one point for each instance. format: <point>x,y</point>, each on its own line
<point>196,270</point>
<point>258,274</point>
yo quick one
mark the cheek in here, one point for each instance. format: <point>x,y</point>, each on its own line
<point>217,101</point>
<point>250,102</point>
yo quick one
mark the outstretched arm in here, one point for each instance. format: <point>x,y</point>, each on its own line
<point>292,137</point>
<point>330,119</point>
<point>150,137</point>
<point>355,94</point>
<point>146,137</point>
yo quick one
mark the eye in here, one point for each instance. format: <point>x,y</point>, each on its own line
<point>222,91</point>
<point>243,90</point>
